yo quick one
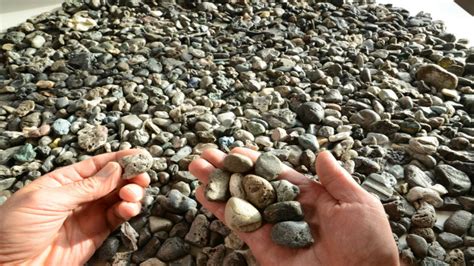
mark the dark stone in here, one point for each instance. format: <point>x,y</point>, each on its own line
<point>172,249</point>
<point>418,245</point>
<point>310,113</point>
<point>449,241</point>
<point>283,211</point>
<point>458,223</point>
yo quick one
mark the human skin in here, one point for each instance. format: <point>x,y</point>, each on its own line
<point>349,225</point>
<point>61,218</point>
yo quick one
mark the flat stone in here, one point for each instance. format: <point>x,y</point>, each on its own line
<point>218,187</point>
<point>131,122</point>
<point>416,177</point>
<point>458,223</point>
<point>425,194</point>
<point>456,181</point>
<point>449,240</point>
<point>242,216</point>
<point>283,211</point>
<point>365,118</point>
<point>157,224</point>
<point>238,163</point>
<point>424,145</point>
<point>258,191</point>
<point>292,234</point>
<point>437,76</point>
<point>7,183</point>
<point>308,141</point>
<point>268,166</point>
<point>432,262</point>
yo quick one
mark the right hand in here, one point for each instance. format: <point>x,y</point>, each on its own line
<point>348,224</point>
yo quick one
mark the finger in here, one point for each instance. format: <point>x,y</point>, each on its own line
<point>217,208</point>
<point>90,189</point>
<point>92,165</point>
<point>201,169</point>
<point>142,180</point>
<point>255,240</point>
<point>121,212</point>
<point>288,173</point>
<point>214,156</point>
<point>132,193</point>
<point>337,181</point>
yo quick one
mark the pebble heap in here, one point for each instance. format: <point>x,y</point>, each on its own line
<point>252,199</point>
<point>391,95</point>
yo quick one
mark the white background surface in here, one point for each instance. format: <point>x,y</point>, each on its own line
<point>458,21</point>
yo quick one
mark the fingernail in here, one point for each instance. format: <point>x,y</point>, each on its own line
<point>108,170</point>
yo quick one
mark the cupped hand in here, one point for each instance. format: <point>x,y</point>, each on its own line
<point>348,224</point>
<point>61,218</point>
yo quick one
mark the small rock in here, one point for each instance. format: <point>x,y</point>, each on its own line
<point>238,163</point>
<point>38,41</point>
<point>198,234</point>
<point>285,191</point>
<point>268,166</point>
<point>108,249</point>
<point>242,216</point>
<point>424,145</point>
<point>425,194</point>
<point>458,223</point>
<point>310,113</point>
<point>172,249</point>
<point>178,203</point>
<point>61,127</point>
<point>236,188</point>
<point>136,164</point>
<point>308,141</point>
<point>437,76</point>
<point>449,240</point>
<point>131,122</point>
<point>456,181</point>
<point>25,154</point>
<point>283,211</point>
<point>258,191</point>
<point>158,224</point>
<point>218,187</point>
<point>292,234</point>
<point>418,245</point>
<point>92,138</point>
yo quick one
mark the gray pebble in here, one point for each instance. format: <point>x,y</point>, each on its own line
<point>292,234</point>
<point>285,191</point>
<point>218,187</point>
<point>283,211</point>
<point>258,191</point>
<point>238,163</point>
<point>136,164</point>
<point>268,166</point>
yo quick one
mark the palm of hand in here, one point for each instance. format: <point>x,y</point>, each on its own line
<point>59,219</point>
<point>348,224</point>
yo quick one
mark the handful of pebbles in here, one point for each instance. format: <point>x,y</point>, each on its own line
<point>255,196</point>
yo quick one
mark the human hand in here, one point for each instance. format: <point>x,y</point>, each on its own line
<point>348,224</point>
<point>61,218</point>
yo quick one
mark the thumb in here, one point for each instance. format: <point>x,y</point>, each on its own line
<point>336,180</point>
<point>92,188</point>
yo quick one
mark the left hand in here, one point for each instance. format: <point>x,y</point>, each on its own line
<point>61,218</point>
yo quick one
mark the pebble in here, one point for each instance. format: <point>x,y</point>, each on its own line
<point>268,166</point>
<point>38,41</point>
<point>242,216</point>
<point>293,234</point>
<point>416,177</point>
<point>218,187</point>
<point>238,163</point>
<point>424,145</point>
<point>178,203</point>
<point>283,211</point>
<point>236,188</point>
<point>92,138</point>
<point>172,249</point>
<point>258,191</point>
<point>458,223</point>
<point>449,240</point>
<point>310,113</point>
<point>308,141</point>
<point>285,191</point>
<point>198,234</point>
<point>437,76</point>
<point>456,181</point>
<point>418,245</point>
<point>425,194</point>
<point>131,121</point>
<point>158,224</point>
<point>25,154</point>
<point>136,164</point>
<point>61,127</point>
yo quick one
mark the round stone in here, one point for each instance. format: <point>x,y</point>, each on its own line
<point>292,234</point>
<point>268,166</point>
<point>258,191</point>
<point>61,126</point>
<point>458,223</point>
<point>238,163</point>
<point>242,216</point>
<point>437,76</point>
<point>418,245</point>
<point>310,113</point>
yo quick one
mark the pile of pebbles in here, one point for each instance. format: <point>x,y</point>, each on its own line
<point>254,196</point>
<point>389,94</point>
